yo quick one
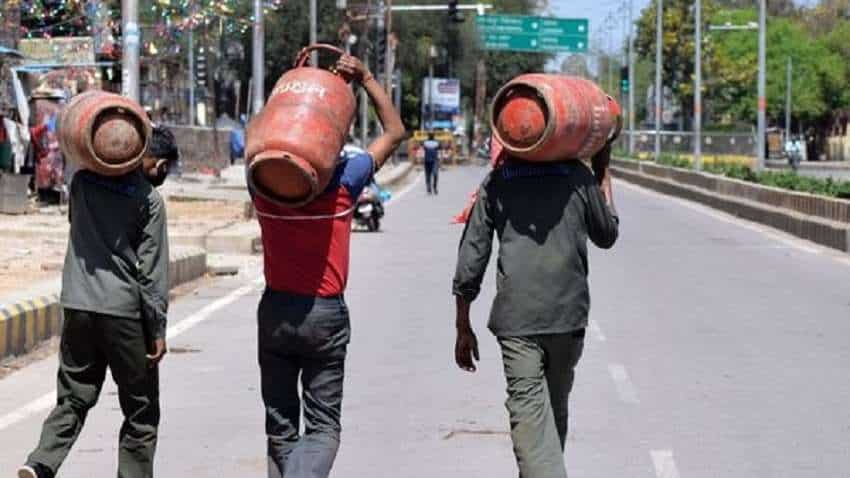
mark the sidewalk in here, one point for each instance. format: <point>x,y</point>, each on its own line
<point>32,314</point>
<point>837,170</point>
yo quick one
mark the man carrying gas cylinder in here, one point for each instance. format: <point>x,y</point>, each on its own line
<point>115,300</point>
<point>303,320</point>
<point>543,209</point>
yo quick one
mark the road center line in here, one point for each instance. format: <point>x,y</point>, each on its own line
<point>624,386</point>
<point>48,400</point>
<point>665,466</point>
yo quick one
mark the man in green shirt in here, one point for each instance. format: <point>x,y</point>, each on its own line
<point>115,299</point>
<point>543,215</point>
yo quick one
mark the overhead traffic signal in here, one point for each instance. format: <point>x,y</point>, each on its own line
<point>624,79</point>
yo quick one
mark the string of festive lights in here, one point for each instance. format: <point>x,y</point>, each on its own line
<point>170,17</point>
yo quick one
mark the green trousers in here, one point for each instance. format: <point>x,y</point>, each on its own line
<point>539,371</point>
<point>90,344</point>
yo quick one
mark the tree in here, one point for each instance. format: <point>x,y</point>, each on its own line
<point>459,52</point>
<point>818,71</point>
<point>678,48</point>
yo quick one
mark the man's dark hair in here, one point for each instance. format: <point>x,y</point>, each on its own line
<point>163,145</point>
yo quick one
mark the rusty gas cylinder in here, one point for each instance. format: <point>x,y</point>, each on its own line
<point>104,132</point>
<point>292,146</point>
<point>541,117</point>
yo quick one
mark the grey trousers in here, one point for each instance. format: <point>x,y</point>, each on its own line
<point>539,371</point>
<point>302,337</point>
<point>90,344</point>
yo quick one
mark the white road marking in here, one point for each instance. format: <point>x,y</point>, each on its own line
<point>596,331</point>
<point>208,310</point>
<point>48,400</point>
<point>624,386</point>
<point>787,239</point>
<point>406,189</point>
<point>665,466</point>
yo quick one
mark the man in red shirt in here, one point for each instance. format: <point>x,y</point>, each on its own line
<point>302,318</point>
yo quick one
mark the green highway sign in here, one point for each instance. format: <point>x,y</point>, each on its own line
<point>533,34</point>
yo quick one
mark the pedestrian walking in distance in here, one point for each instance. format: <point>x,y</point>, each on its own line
<point>543,214</point>
<point>432,163</point>
<point>303,321</point>
<point>114,299</point>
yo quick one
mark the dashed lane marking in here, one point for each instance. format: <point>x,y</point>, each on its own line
<point>47,400</point>
<point>665,466</point>
<point>624,386</point>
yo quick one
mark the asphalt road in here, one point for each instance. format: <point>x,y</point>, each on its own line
<point>718,349</point>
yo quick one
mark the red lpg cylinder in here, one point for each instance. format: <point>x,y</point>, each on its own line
<point>104,132</point>
<point>292,146</point>
<point>540,117</point>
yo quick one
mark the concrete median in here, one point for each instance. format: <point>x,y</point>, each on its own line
<point>27,320</point>
<point>822,220</point>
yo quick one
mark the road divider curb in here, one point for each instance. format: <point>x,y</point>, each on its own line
<point>26,323</point>
<point>743,201</point>
<point>397,175</point>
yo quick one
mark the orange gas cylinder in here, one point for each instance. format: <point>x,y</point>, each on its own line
<point>541,117</point>
<point>104,132</point>
<point>292,146</point>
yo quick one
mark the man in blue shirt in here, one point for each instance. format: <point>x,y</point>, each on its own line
<point>432,162</point>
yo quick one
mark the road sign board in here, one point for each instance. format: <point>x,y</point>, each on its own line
<point>535,34</point>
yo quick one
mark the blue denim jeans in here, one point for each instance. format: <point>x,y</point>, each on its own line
<point>302,337</point>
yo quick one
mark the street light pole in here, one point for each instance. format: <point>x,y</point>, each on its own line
<point>258,66</point>
<point>432,53</point>
<point>314,57</point>
<point>191,76</point>
<point>762,99</point>
<point>788,99</point>
<point>631,80</point>
<point>130,57</point>
<point>659,40</point>
<point>698,88</point>
<point>389,54</point>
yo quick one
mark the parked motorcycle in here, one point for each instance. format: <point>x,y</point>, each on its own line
<point>370,208</point>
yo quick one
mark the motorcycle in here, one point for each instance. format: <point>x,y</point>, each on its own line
<point>370,208</point>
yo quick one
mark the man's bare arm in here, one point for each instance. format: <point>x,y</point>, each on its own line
<point>389,141</point>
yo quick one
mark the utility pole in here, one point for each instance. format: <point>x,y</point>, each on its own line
<point>790,76</point>
<point>698,88</point>
<point>432,55</point>
<point>389,59</point>
<point>659,40</point>
<point>762,101</point>
<point>364,109</point>
<point>631,80</point>
<point>314,57</point>
<point>191,76</point>
<point>258,66</point>
<point>130,56</point>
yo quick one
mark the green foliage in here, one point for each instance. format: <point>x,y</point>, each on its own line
<point>819,50</point>
<point>779,179</point>
<point>459,53</point>
<point>287,31</point>
<point>673,160</point>
<point>818,71</point>
<point>678,47</point>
